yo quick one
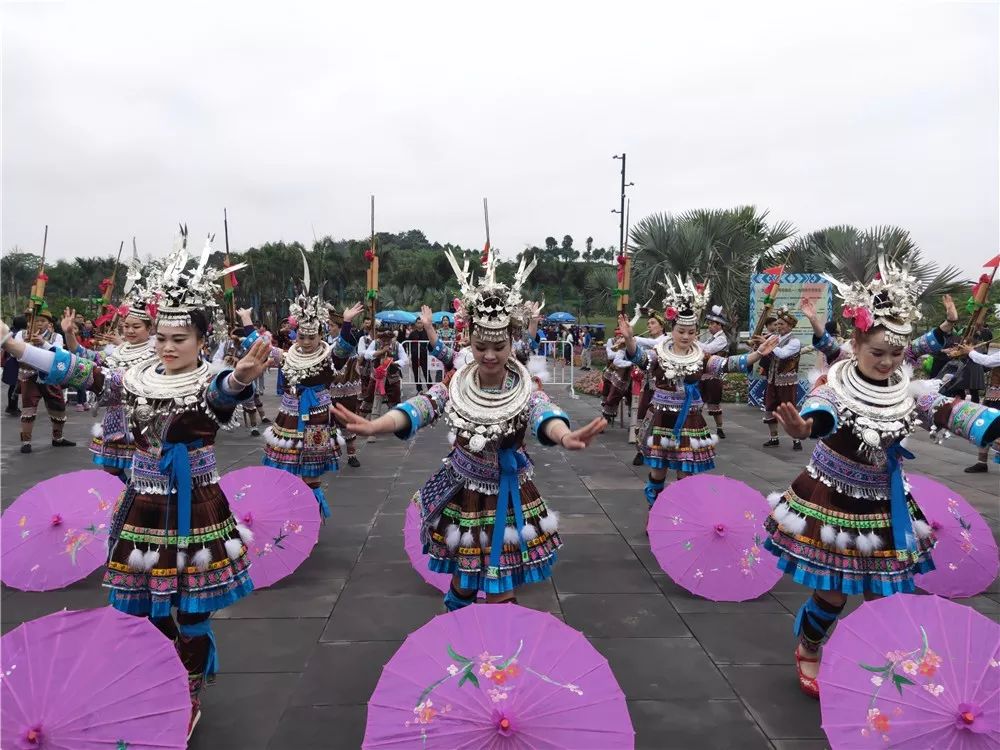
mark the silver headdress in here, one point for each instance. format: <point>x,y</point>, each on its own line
<point>306,313</point>
<point>493,311</point>
<point>684,301</point>
<point>890,301</point>
<point>180,290</point>
<point>139,296</point>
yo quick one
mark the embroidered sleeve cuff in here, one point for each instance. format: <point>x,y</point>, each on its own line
<point>929,343</point>
<point>639,358</point>
<point>218,398</point>
<point>978,424</point>
<point>413,415</point>
<point>343,348</point>
<point>541,419</point>
<point>69,370</point>
<point>443,352</point>
<point>249,339</point>
<point>823,415</point>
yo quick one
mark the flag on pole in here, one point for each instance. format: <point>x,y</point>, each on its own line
<point>229,282</point>
<point>994,263</point>
<point>775,270</point>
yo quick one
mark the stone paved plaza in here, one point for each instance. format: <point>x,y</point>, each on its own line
<point>300,660</point>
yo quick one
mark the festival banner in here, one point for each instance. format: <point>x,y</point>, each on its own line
<point>793,288</point>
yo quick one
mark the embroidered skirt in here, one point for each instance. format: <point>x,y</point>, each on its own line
<point>307,453</point>
<point>830,540</point>
<point>210,580</point>
<point>458,533</point>
<point>694,453</point>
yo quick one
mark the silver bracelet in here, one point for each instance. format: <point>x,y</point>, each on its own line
<point>243,386</point>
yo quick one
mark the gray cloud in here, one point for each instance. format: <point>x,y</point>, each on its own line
<point>123,118</point>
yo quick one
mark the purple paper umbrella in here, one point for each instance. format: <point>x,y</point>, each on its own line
<point>56,533</point>
<point>965,556</point>
<point>95,679</point>
<point>415,551</point>
<point>707,533</point>
<point>497,676</point>
<point>280,510</point>
<point>912,672</point>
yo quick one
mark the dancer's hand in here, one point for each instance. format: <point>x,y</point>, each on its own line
<point>426,319</point>
<point>950,313</point>
<point>577,440</point>
<point>767,346</point>
<point>625,328</point>
<point>353,311</point>
<point>245,314</point>
<point>68,320</point>
<point>808,308</point>
<point>962,350</point>
<point>352,422</point>
<point>254,363</point>
<point>796,427</point>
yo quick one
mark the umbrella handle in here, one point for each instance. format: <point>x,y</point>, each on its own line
<point>56,521</point>
<point>720,529</point>
<point>248,519</point>
<point>34,736</point>
<point>936,525</point>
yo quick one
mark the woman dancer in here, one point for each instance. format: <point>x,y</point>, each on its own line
<point>302,440</point>
<point>674,435</point>
<point>112,445</point>
<point>655,333</point>
<point>175,543</point>
<point>847,524</point>
<point>483,520</point>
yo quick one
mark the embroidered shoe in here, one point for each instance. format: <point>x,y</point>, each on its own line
<point>807,685</point>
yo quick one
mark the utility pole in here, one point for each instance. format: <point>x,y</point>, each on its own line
<point>624,261</point>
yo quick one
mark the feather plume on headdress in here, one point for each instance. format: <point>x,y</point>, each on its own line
<point>492,309</point>
<point>684,301</point>
<point>306,313</point>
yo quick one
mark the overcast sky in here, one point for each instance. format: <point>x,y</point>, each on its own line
<point>118,120</point>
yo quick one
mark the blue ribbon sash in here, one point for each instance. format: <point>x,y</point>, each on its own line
<point>903,539</point>
<point>691,392</point>
<point>511,462</point>
<point>175,463</point>
<point>194,630</point>
<point>307,402</point>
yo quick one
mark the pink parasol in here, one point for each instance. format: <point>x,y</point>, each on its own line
<point>965,557</point>
<point>497,676</point>
<point>707,533</point>
<point>56,533</point>
<point>912,672</point>
<point>280,510</point>
<point>95,679</point>
<point>415,551</point>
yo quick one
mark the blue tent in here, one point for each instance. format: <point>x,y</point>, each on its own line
<point>561,317</point>
<point>442,314</point>
<point>399,317</point>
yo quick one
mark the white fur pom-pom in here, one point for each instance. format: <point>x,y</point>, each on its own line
<point>664,442</point>
<point>715,439</point>
<point>649,442</point>
<point>907,369</point>
<point>341,442</point>
<point>774,498</point>
<point>828,534</point>
<point>134,561</point>
<point>794,523</point>
<point>875,540</point>
<point>466,540</point>
<point>539,368</point>
<point>97,430</point>
<point>550,522</point>
<point>452,437</point>
<point>529,532</point>
<point>814,376</point>
<point>510,535</point>
<point>245,534</point>
<point>922,529</point>
<point>864,544</point>
<point>182,560</point>
<point>202,559</point>
<point>234,548</point>
<point>843,540</point>
<point>484,541</point>
<point>780,512</point>
<point>697,443</point>
<point>149,559</point>
<point>451,537</point>
<point>920,388</point>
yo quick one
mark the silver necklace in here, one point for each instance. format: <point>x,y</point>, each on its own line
<point>878,415</point>
<point>298,366</point>
<point>149,391</point>
<point>128,355</point>
<point>482,415</point>
<point>676,365</point>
